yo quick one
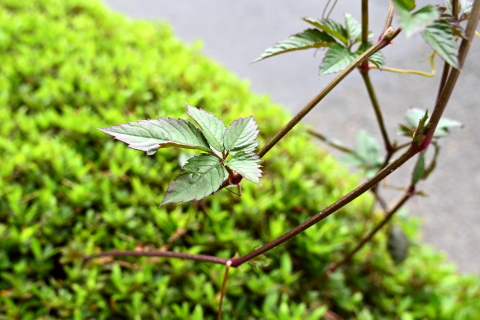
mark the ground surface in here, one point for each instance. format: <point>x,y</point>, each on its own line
<point>235,33</point>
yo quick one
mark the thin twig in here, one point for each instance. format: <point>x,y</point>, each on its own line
<point>365,240</point>
<point>376,108</point>
<point>364,21</point>
<point>158,253</point>
<point>330,142</point>
<point>302,113</point>
<point>224,286</point>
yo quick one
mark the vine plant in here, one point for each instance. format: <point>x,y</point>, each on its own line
<point>229,152</point>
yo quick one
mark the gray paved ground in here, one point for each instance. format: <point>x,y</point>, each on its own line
<point>235,32</point>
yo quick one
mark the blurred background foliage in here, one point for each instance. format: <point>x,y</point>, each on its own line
<point>68,67</point>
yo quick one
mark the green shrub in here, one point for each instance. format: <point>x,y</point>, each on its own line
<point>70,66</point>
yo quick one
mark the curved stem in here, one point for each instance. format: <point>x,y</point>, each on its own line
<point>330,142</point>
<point>388,20</point>
<point>362,242</point>
<point>158,253</point>
<point>224,286</point>
<point>446,92</point>
<point>364,187</point>
<point>383,42</point>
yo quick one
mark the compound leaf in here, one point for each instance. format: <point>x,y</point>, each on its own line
<point>240,136</point>
<point>310,38</point>
<point>418,21</point>
<point>354,29</point>
<point>331,27</point>
<point>213,128</point>
<point>202,176</point>
<point>440,37</point>
<point>246,164</point>
<point>151,135</point>
<point>376,58</point>
<point>337,58</point>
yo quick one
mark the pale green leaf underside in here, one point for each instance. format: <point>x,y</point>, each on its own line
<point>202,176</point>
<point>376,58</point>
<point>418,21</point>
<point>310,38</point>
<point>440,37</point>
<point>150,135</point>
<point>354,29</point>
<point>240,136</point>
<point>331,27</point>
<point>419,168</point>
<point>246,164</point>
<point>337,58</point>
<point>213,128</point>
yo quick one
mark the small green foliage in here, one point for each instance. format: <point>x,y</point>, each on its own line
<point>376,58</point>
<point>440,37</point>
<point>339,54</point>
<point>336,59</point>
<point>366,155</point>
<point>310,38</point>
<point>204,174</point>
<point>331,27</point>
<point>354,29</point>
<point>201,176</point>
<point>212,128</point>
<point>415,116</point>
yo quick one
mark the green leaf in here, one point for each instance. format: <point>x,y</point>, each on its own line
<point>418,21</point>
<point>440,37</point>
<point>246,164</point>
<point>366,155</point>
<point>260,261</point>
<point>310,38</point>
<point>397,244</point>
<point>407,4</point>
<point>213,128</point>
<point>444,125</point>
<point>337,58</point>
<point>413,118</point>
<point>240,136</point>
<point>202,176</point>
<point>331,27</point>
<point>419,169</point>
<point>354,29</point>
<point>376,58</point>
<point>151,135</point>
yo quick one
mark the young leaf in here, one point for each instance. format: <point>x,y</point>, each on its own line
<point>331,27</point>
<point>440,37</point>
<point>419,169</point>
<point>246,164</point>
<point>337,58</point>
<point>151,135</point>
<point>240,136</point>
<point>418,21</point>
<point>310,38</point>
<point>213,128</point>
<point>397,244</point>
<point>202,176</point>
<point>354,29</point>
<point>376,58</point>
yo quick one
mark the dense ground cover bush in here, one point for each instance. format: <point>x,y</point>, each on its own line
<point>68,67</point>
